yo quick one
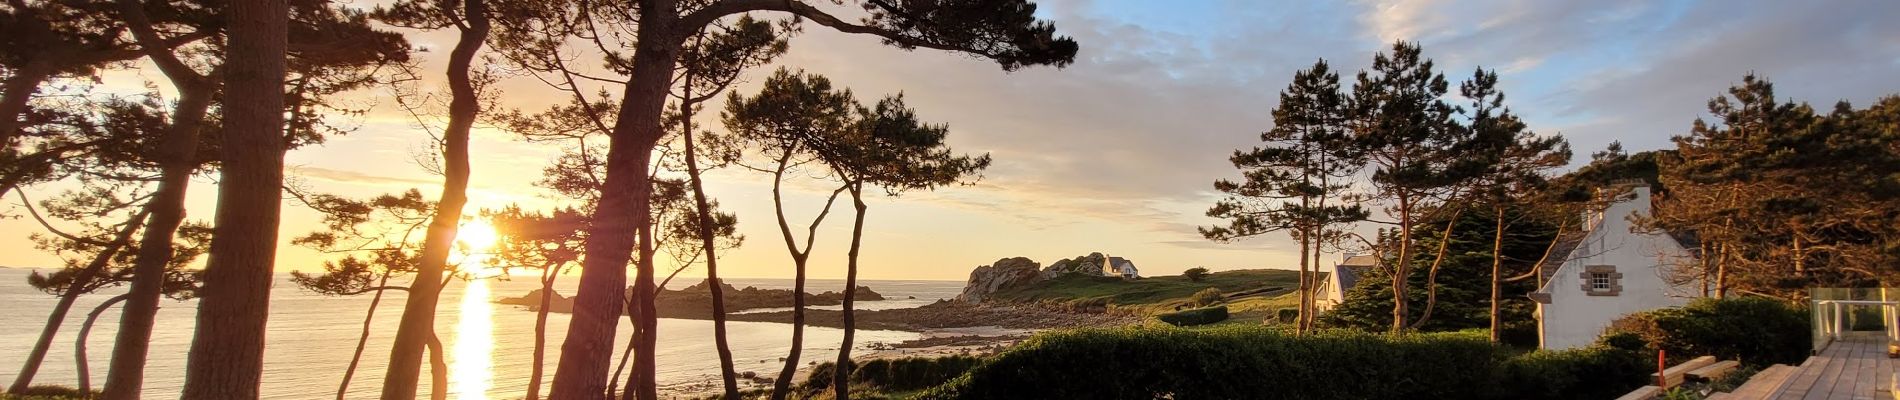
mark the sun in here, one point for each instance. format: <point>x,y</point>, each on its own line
<point>478,235</point>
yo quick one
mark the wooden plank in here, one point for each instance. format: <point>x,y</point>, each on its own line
<point>1830,381</point>
<point>1763,383</point>
<point>1864,384</point>
<point>1643,393</point>
<point>1676,373</point>
<point>1803,377</point>
<point>1713,371</point>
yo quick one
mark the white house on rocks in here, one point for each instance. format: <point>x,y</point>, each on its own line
<point>1609,270</point>
<point>1117,266</point>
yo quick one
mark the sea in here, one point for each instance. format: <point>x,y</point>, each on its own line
<point>489,346</point>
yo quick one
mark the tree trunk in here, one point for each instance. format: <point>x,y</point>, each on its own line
<point>19,89</point>
<point>709,246</point>
<point>179,154</point>
<point>79,343</point>
<point>626,354</point>
<point>625,206</point>
<point>840,380</point>
<point>66,299</point>
<point>438,370</point>
<point>1497,269</point>
<point>541,331</point>
<point>362,339</point>
<point>781,387</point>
<point>1721,272</point>
<point>1306,292</point>
<point>227,352</point>
<point>418,315</point>
<point>1431,276</point>
<point>1401,271</point>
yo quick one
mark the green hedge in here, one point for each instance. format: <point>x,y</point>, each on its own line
<point>1198,316</point>
<point>1757,331</point>
<point>902,374</point>
<point>1255,362</point>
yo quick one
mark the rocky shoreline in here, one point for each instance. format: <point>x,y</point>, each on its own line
<point>697,300</point>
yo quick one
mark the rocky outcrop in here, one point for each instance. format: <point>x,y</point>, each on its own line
<point>1003,274</point>
<point>1090,264</point>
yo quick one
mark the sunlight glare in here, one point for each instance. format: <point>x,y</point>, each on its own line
<point>472,372</point>
<point>478,235</point>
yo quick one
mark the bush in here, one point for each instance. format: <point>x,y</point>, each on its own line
<point>1206,297</point>
<point>1287,315</point>
<point>1261,362</point>
<point>1596,372</point>
<point>1195,274</point>
<point>50,392</point>
<point>1198,316</point>
<point>1756,331</point>
<point>902,374</point>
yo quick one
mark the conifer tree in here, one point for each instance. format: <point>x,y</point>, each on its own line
<point>1298,182</point>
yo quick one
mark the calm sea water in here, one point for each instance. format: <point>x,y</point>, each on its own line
<point>488,346</point>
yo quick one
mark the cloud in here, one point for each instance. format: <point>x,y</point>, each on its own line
<point>360,178</point>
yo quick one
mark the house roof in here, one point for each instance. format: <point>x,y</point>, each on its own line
<point>1560,252</point>
<point>1348,271</point>
<point>1362,260</point>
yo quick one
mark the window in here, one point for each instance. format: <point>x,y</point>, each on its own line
<point>1602,280</point>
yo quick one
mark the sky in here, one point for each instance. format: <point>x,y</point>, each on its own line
<point>1117,152</point>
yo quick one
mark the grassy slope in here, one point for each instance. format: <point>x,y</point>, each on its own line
<point>1162,293</point>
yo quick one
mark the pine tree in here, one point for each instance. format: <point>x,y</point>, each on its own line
<point>1290,182</point>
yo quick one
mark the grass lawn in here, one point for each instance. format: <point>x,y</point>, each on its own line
<point>1163,293</point>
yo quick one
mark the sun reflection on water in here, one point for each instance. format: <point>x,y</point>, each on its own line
<point>473,371</point>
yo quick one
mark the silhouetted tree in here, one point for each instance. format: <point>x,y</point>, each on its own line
<point>788,122</point>
<point>886,147</point>
<point>227,351</point>
<point>656,31</point>
<point>470,18</point>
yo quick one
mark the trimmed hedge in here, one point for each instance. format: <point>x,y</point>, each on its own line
<point>1757,331</point>
<point>1198,316</point>
<point>902,374</point>
<point>1255,362</point>
<point>1287,315</point>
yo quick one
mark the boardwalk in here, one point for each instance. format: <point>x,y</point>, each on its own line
<point>1854,368</point>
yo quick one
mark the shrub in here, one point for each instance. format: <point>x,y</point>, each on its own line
<point>50,392</point>
<point>1195,274</point>
<point>1261,362</point>
<point>1596,372</point>
<point>1287,315</point>
<point>1205,297</point>
<point>1756,331</point>
<point>1198,316</point>
<point>902,374</point>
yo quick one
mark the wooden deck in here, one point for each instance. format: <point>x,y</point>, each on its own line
<point>1856,367</point>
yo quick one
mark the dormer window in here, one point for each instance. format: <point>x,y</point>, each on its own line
<point>1602,280</point>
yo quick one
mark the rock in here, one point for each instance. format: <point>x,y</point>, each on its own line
<point>1003,274</point>
<point>1087,265</point>
<point>533,299</point>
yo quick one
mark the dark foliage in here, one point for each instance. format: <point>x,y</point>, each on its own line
<point>1198,316</point>
<point>1757,331</point>
<point>1263,363</point>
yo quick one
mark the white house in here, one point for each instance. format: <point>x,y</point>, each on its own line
<point>1609,270</point>
<point>1344,275</point>
<point>1117,266</point>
